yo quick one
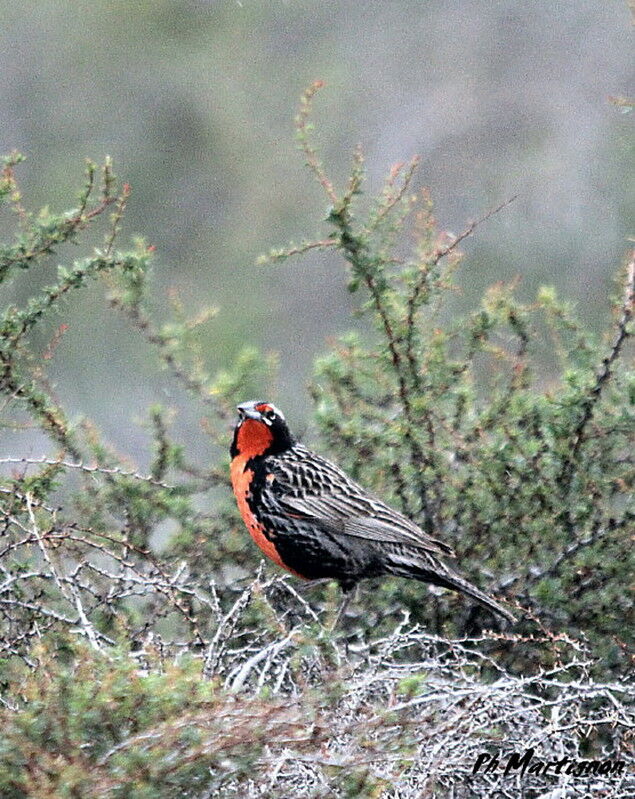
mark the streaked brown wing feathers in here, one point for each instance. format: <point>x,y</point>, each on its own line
<point>308,485</point>
<point>363,518</point>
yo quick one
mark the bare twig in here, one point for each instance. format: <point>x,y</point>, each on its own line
<point>67,588</point>
<point>114,470</point>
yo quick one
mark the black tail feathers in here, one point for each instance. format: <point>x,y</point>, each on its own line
<point>446,578</point>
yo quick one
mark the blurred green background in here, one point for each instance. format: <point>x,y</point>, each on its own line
<point>194,101</point>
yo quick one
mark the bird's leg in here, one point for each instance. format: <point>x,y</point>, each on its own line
<point>348,593</point>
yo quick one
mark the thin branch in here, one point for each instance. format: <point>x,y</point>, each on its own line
<point>441,252</point>
<point>114,470</point>
<point>603,375</point>
<point>394,198</point>
<point>299,249</point>
<point>197,386</point>
<point>303,128</point>
<point>65,586</point>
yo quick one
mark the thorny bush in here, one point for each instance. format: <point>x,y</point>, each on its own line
<point>133,670</point>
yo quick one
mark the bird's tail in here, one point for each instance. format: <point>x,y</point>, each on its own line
<point>446,578</point>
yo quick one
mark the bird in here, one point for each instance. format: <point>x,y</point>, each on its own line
<point>311,519</point>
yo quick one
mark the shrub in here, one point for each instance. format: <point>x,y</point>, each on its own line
<point>529,476</point>
<point>131,669</point>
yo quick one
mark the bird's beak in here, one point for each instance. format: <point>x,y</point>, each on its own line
<point>246,410</point>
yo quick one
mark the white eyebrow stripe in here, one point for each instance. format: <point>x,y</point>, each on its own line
<point>267,407</point>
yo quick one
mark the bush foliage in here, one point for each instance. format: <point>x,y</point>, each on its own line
<point>132,669</point>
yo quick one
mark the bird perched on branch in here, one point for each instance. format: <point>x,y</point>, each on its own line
<point>310,518</point>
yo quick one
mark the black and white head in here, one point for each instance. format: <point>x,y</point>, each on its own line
<point>261,429</point>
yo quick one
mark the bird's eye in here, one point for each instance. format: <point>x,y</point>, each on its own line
<point>271,415</point>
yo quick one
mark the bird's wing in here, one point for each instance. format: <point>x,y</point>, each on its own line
<point>330,498</point>
<point>382,525</point>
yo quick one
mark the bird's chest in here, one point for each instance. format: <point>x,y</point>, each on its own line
<point>247,484</point>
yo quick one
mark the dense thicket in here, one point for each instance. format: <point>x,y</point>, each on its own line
<point>139,662</point>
